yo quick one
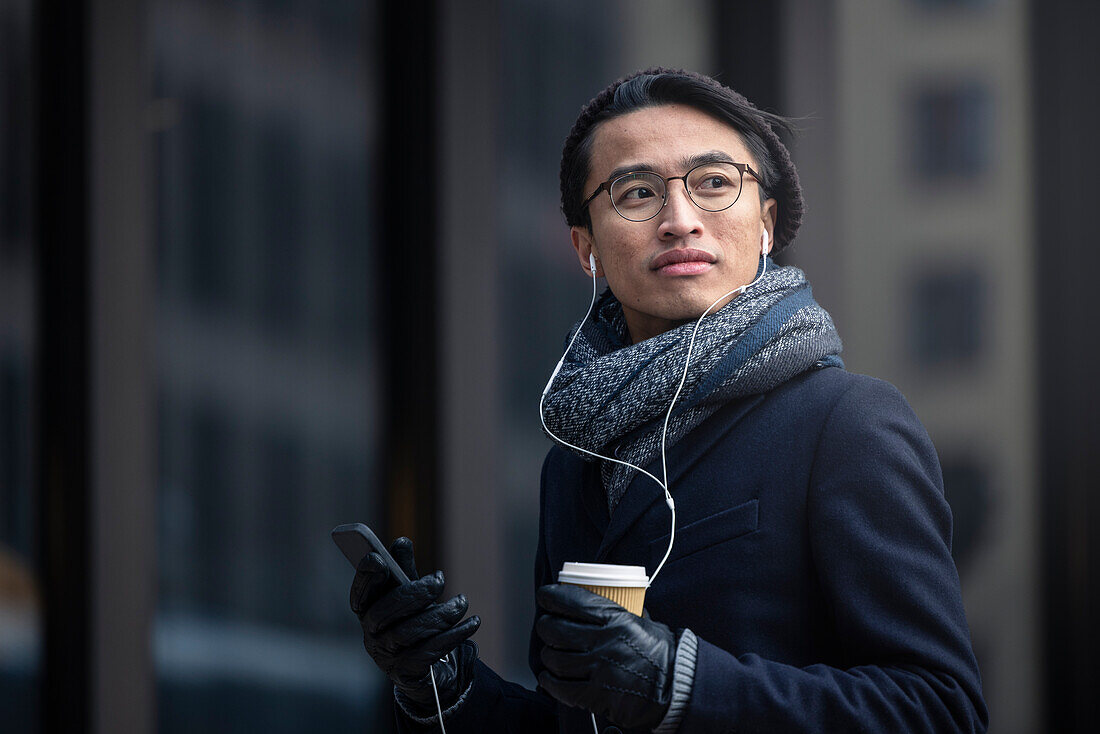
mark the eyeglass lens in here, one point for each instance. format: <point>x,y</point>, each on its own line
<point>711,186</point>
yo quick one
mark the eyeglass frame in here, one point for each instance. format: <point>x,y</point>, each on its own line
<point>606,186</point>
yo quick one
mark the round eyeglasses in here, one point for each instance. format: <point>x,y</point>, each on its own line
<point>640,195</point>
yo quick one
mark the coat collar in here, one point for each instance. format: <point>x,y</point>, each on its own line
<point>643,492</point>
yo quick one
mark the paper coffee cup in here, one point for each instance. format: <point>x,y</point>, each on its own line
<point>624,585</point>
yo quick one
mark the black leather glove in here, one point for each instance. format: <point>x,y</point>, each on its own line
<point>602,658</point>
<point>406,630</point>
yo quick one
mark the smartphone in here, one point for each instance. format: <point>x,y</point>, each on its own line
<point>356,540</point>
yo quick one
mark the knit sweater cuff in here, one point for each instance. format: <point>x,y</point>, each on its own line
<point>434,718</point>
<point>683,679</point>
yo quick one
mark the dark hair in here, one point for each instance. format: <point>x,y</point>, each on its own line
<point>657,86</point>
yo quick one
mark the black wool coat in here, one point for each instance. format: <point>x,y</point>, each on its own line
<point>812,560</point>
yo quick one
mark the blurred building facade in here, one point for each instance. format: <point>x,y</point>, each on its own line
<point>929,209</point>
<point>345,306</point>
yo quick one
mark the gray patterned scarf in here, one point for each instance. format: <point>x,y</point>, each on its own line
<point>611,396</point>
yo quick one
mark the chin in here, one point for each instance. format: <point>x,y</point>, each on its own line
<point>692,313</point>
<point>701,302</point>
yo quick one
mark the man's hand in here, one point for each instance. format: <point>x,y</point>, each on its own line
<point>602,658</point>
<point>407,631</point>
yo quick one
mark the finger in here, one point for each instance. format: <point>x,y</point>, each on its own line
<point>369,576</point>
<point>448,640</point>
<point>566,634</point>
<point>430,622</point>
<point>568,665</point>
<point>567,600</point>
<point>403,602</point>
<point>402,552</point>
<point>569,692</point>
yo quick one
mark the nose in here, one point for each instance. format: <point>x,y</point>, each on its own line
<point>680,217</point>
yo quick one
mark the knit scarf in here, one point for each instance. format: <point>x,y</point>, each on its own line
<point>611,396</point>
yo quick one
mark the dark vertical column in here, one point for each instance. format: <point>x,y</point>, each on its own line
<point>411,194</point>
<point>469,316</point>
<point>747,44</point>
<point>747,41</point>
<point>122,499</point>
<point>810,87</point>
<point>62,384</point>
<point>1067,259</point>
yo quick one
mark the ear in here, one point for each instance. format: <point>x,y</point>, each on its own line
<point>585,244</point>
<point>768,213</point>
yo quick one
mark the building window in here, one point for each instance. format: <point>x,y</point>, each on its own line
<point>947,313</point>
<point>952,138</point>
<point>966,486</point>
<point>210,125</point>
<point>281,186</point>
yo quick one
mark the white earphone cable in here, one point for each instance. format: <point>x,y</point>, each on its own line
<point>545,390</point>
<point>435,689</point>
<point>668,415</point>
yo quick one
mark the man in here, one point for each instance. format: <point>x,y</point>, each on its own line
<point>810,586</point>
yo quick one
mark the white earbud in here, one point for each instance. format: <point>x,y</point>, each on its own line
<point>592,264</point>
<point>764,247</point>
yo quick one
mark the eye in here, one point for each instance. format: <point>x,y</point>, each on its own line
<point>635,190</point>
<point>714,181</point>
<point>638,191</point>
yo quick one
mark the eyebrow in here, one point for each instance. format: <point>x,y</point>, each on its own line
<point>686,164</point>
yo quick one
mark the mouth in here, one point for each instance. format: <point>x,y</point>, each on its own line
<point>683,262</point>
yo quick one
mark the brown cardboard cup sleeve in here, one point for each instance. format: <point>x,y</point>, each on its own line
<point>624,585</point>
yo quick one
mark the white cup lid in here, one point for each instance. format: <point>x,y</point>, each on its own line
<point>602,574</point>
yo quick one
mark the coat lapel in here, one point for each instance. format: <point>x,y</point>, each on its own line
<point>643,492</point>
<point>593,497</point>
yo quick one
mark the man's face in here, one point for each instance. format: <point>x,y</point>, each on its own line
<point>717,251</point>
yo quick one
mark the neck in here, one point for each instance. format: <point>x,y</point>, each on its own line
<point>650,328</point>
<point>643,326</point>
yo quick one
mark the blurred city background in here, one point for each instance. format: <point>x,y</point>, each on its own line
<point>270,266</point>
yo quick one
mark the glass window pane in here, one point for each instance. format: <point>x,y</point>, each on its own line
<point>953,133</point>
<point>267,372</point>
<point>947,315</point>
<point>966,484</point>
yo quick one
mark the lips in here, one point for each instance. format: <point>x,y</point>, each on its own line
<point>683,262</point>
